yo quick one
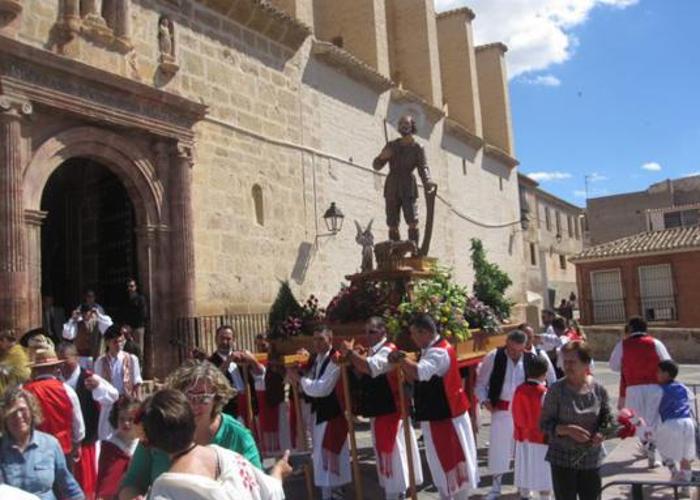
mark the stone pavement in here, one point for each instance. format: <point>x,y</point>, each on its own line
<point>621,462</point>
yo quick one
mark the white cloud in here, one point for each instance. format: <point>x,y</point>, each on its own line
<point>692,174</point>
<point>549,176</point>
<point>596,177</point>
<point>652,166</point>
<point>580,193</point>
<point>537,32</point>
<point>543,80</point>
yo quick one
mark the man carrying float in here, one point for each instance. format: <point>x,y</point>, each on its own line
<point>378,388</point>
<point>441,406</point>
<point>330,455</point>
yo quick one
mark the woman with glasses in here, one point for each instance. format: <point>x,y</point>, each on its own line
<point>207,390</point>
<point>201,472</point>
<point>31,460</point>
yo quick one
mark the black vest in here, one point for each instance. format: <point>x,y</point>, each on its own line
<point>374,395</point>
<point>328,407</point>
<point>498,374</point>
<point>430,400</point>
<point>89,408</point>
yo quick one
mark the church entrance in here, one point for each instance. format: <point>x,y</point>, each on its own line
<point>88,239</point>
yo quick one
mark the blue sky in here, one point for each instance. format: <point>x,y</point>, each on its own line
<point>604,88</point>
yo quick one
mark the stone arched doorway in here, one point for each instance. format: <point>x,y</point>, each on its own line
<point>88,239</point>
<point>119,180</point>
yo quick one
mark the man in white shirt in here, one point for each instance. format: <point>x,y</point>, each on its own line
<point>86,328</point>
<point>237,366</point>
<point>637,357</point>
<point>500,373</point>
<point>531,346</point>
<point>118,367</point>
<point>380,401</point>
<point>442,408</point>
<point>331,457</point>
<point>96,397</point>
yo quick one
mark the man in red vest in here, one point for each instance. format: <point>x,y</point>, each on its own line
<point>441,406</point>
<point>60,405</point>
<point>379,400</point>
<point>636,358</point>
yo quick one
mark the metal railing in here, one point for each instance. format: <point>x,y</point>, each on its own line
<point>637,487</point>
<point>661,308</point>
<point>608,311</point>
<point>200,332</point>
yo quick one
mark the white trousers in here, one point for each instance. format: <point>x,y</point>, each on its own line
<point>501,442</point>
<point>324,477</point>
<point>532,472</point>
<point>645,400</point>
<point>399,482</point>
<point>463,427</point>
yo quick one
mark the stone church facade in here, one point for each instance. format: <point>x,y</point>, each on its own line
<point>195,144</point>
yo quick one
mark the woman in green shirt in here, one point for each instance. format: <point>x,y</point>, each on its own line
<point>208,391</point>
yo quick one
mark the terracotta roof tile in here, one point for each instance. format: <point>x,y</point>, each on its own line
<point>642,243</point>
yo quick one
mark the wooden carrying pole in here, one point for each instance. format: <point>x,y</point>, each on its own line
<point>407,434</point>
<point>357,479</point>
<point>302,441</point>
<point>249,400</point>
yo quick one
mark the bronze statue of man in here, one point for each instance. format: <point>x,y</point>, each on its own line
<point>404,155</point>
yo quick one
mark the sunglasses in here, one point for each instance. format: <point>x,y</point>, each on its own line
<point>200,399</point>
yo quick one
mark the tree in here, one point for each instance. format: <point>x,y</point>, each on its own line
<point>490,282</point>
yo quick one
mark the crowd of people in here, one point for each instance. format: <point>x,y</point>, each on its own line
<point>77,424</point>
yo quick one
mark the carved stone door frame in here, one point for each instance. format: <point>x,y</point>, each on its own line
<point>110,109</point>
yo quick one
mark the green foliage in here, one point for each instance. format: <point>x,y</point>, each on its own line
<point>490,282</point>
<point>284,307</point>
<point>438,296</point>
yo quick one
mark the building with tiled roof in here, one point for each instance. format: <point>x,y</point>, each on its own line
<point>652,274</point>
<point>680,239</point>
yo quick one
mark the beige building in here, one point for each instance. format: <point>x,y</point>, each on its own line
<point>196,145</point>
<point>552,234</point>
<point>664,205</point>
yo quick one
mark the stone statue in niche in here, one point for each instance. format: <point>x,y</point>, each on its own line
<point>365,238</point>
<point>166,45</point>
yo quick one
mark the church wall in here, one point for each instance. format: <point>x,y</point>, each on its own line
<point>266,101</point>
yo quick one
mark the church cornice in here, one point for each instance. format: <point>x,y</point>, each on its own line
<point>264,18</point>
<point>352,66</point>
<point>62,83</point>
<point>498,154</point>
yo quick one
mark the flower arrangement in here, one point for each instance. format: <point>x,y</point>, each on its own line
<point>358,302</point>
<point>438,296</point>
<point>288,318</point>
<point>480,316</point>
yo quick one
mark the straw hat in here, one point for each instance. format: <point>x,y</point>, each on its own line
<point>45,357</point>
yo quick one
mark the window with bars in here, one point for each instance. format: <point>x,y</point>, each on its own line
<point>658,301</point>
<point>607,297</point>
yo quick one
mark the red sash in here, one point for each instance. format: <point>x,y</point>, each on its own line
<point>385,429</point>
<point>86,470</point>
<point>450,453</point>
<point>335,435</point>
<point>268,417</point>
<point>501,405</point>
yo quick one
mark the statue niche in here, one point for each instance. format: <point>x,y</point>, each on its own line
<point>166,46</point>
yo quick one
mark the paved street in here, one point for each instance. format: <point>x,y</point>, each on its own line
<point>620,464</point>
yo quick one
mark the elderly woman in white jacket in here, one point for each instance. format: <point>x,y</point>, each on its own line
<point>201,472</point>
